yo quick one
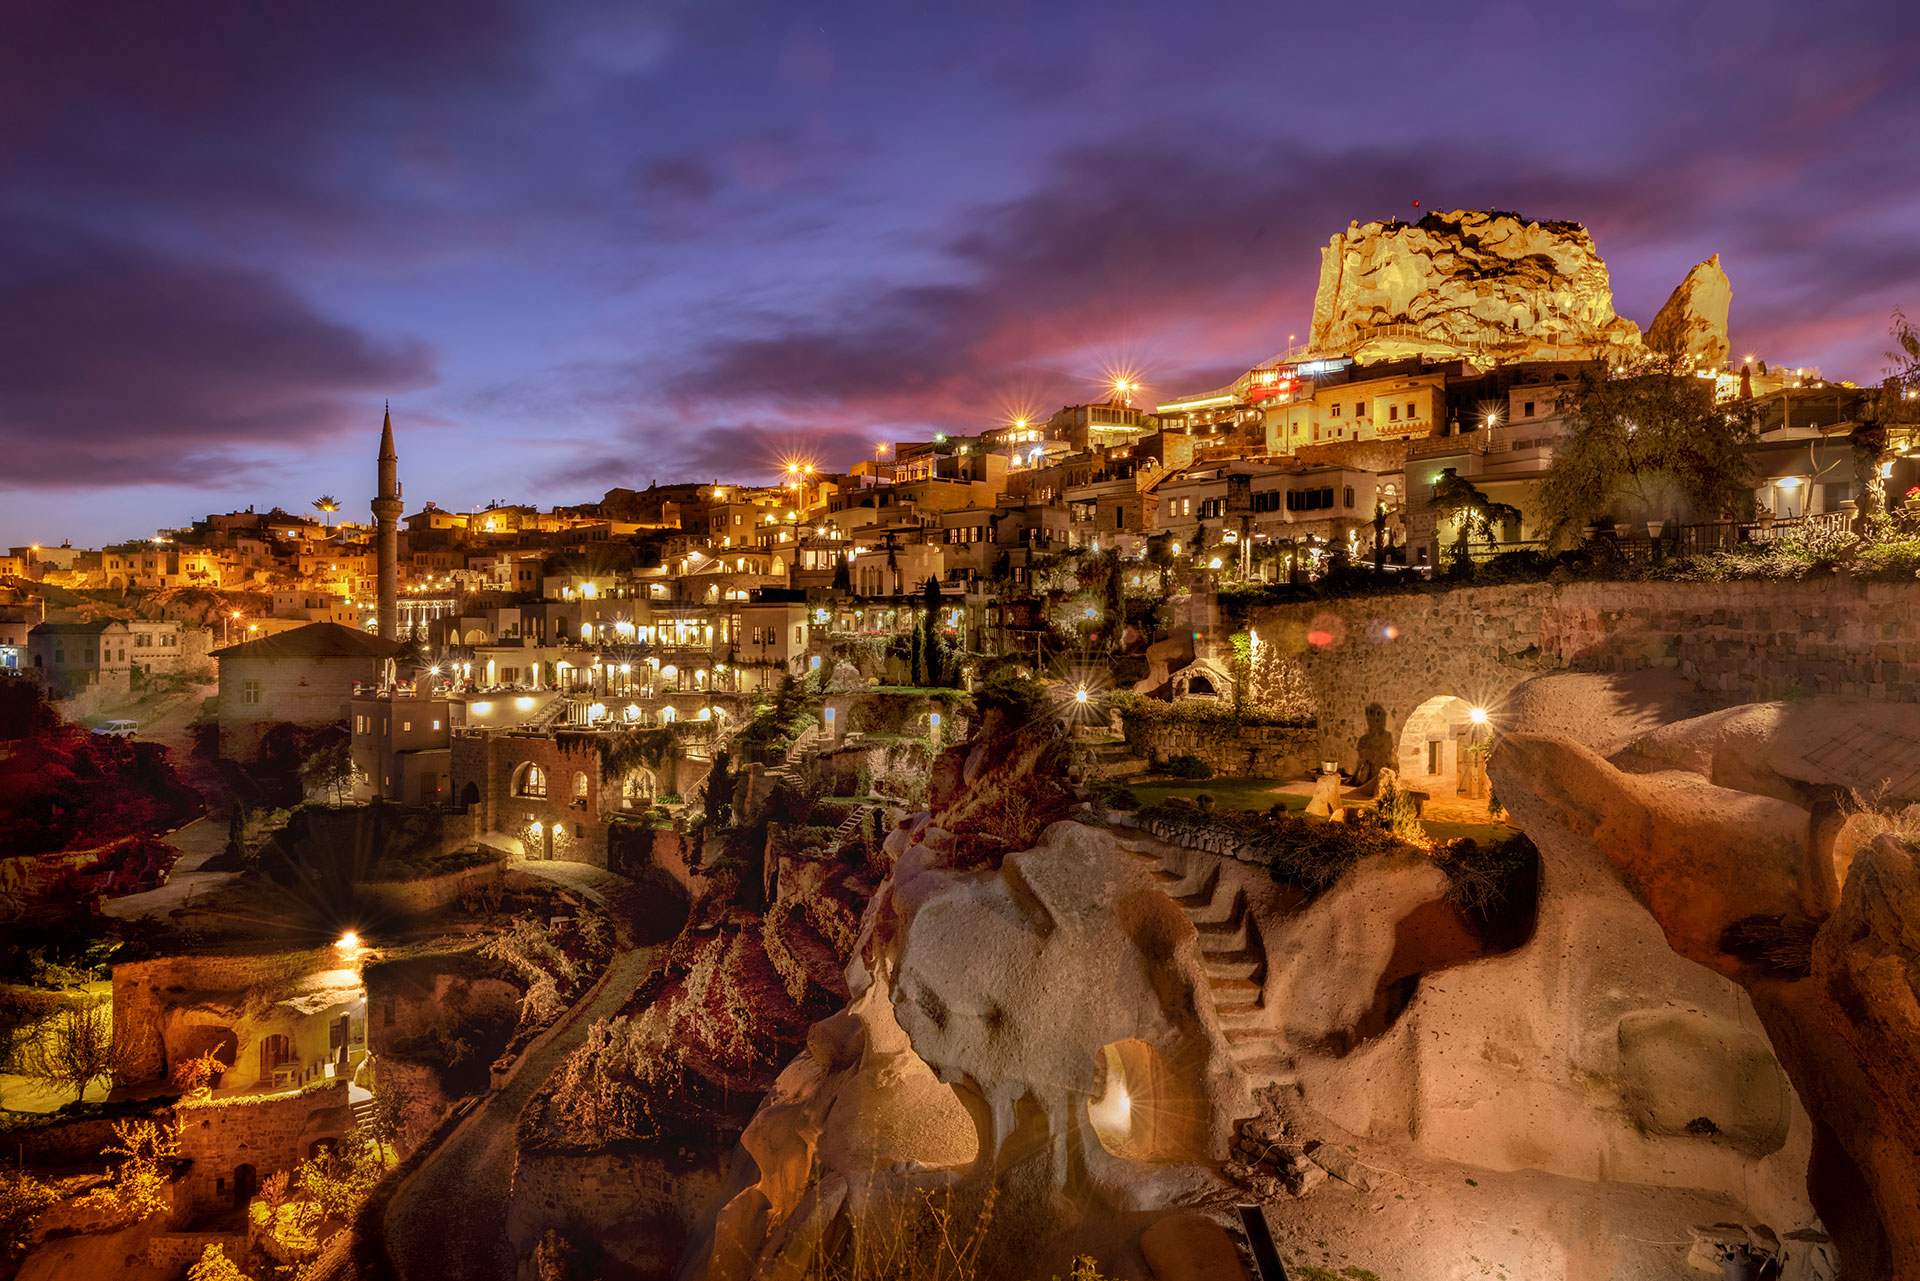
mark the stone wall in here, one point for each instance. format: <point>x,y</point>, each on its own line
<point>1251,751</point>
<point>268,1132</point>
<point>175,1252</point>
<point>636,1204</point>
<point>1737,642</point>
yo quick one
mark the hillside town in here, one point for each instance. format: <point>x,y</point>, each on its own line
<point>616,877</point>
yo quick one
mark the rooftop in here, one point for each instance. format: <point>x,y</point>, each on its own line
<point>316,640</point>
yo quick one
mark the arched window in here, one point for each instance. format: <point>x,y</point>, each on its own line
<point>1200,685</point>
<point>580,787</point>
<point>636,789</point>
<point>531,781</point>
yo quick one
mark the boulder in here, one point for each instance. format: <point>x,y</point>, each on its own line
<point>1191,1247</point>
<point>1692,323</point>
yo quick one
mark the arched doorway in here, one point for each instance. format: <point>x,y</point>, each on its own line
<point>1142,1108</point>
<point>245,1184</point>
<point>1432,744</point>
<point>470,795</point>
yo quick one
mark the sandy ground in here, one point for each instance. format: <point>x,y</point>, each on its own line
<point>1438,1221</point>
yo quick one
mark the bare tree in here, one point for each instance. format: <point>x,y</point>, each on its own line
<point>74,1048</point>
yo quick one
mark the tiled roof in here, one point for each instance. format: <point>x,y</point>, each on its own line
<point>316,640</point>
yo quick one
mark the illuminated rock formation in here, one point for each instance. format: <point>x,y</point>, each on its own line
<point>1468,283</point>
<point>1692,324</point>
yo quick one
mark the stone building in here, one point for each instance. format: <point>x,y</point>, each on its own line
<point>303,677</point>
<point>234,1143</point>
<point>399,746</point>
<point>81,659</point>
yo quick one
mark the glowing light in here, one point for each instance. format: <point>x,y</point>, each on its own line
<point>481,709</point>
<point>1081,695</point>
<point>625,668</point>
<point>1176,549</point>
<point>433,671</point>
<point>536,827</point>
<point>1214,563</point>
<point>1390,632</point>
<point>596,711</point>
<point>523,704</point>
<point>1318,637</point>
<point>348,942</point>
<point>1091,612</point>
<point>1790,482</point>
<point>1478,716</point>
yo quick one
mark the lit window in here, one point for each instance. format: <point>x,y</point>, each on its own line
<point>533,781</point>
<point>250,692</point>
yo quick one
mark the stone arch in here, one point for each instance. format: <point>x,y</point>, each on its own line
<point>530,780</point>
<point>580,785</point>
<point>1431,741</point>
<point>476,636</point>
<point>245,1183</point>
<point>470,795</point>
<point>637,789</point>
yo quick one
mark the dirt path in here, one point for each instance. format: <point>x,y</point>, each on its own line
<point>449,1223</point>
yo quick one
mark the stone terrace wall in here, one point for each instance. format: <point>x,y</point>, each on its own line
<point>268,1132</point>
<point>1738,642</point>
<point>605,1195</point>
<point>1254,751</point>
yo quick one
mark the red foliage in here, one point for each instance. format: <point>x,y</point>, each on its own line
<point>68,789</point>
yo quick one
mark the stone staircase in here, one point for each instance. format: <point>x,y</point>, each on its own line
<point>802,746</point>
<point>1231,954</point>
<point>1114,759</point>
<point>550,715</point>
<point>850,826</point>
<point>362,1112</point>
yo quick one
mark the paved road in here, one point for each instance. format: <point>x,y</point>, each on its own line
<point>449,1223</point>
<point>199,840</point>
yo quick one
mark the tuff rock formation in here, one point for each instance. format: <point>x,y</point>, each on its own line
<point>1737,833</point>
<point>1692,324</point>
<point>1468,283</point>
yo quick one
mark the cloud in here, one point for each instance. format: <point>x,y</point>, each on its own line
<point>120,365</point>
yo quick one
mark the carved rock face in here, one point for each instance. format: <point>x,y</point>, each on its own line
<point>1468,283</point>
<point>1693,322</point>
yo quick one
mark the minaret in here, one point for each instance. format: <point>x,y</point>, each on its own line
<point>386,519</point>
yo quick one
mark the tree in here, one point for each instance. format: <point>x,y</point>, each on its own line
<point>192,1075</point>
<point>329,771</point>
<point>326,505</point>
<point>1457,499</point>
<point>930,643</point>
<point>22,1198</point>
<point>1894,405</point>
<point>237,834</point>
<point>1654,444</point>
<point>340,1178</point>
<point>214,1265</point>
<point>74,1048</point>
<point>720,789</point>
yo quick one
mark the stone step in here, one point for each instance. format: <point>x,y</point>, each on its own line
<point>1239,1035</point>
<point>1236,1017</point>
<point>1265,1068</point>
<point>1228,966</point>
<point>1201,895</point>
<point>1228,993</point>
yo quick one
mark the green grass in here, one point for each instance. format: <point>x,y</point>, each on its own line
<point>1260,794</point>
<point>1256,794</point>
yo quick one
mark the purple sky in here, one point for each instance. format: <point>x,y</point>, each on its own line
<point>585,245</point>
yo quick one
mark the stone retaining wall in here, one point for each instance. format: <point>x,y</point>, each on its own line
<point>1738,642</point>
<point>637,1204</point>
<point>1252,751</point>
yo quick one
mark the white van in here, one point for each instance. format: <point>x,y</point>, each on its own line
<point>119,729</point>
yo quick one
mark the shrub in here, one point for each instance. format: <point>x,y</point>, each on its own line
<point>1187,765</point>
<point>1303,852</point>
<point>22,1198</point>
<point>1783,944</point>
